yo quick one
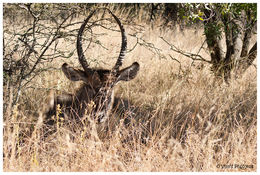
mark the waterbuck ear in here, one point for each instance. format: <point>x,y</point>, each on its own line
<point>128,73</point>
<point>73,74</point>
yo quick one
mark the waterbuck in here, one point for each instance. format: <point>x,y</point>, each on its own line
<point>97,89</point>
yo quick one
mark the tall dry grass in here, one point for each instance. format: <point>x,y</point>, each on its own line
<point>189,121</point>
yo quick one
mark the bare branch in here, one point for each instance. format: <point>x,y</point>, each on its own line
<point>194,57</point>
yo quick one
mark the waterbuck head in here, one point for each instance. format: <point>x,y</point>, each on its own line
<point>98,84</point>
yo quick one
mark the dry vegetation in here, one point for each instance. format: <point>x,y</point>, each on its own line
<point>189,120</point>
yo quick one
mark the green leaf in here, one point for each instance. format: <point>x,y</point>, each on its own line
<point>201,19</point>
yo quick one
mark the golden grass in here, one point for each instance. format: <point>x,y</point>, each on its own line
<point>191,121</point>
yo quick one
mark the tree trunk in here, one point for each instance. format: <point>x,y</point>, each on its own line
<point>246,61</point>
<point>238,34</point>
<point>214,38</point>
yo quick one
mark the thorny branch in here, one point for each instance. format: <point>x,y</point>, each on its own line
<point>194,57</point>
<point>32,45</point>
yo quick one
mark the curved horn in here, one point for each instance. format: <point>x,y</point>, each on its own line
<point>121,56</point>
<point>123,45</point>
<point>81,56</point>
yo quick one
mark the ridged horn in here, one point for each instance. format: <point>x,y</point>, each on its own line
<point>81,56</point>
<point>122,53</point>
<point>123,44</point>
